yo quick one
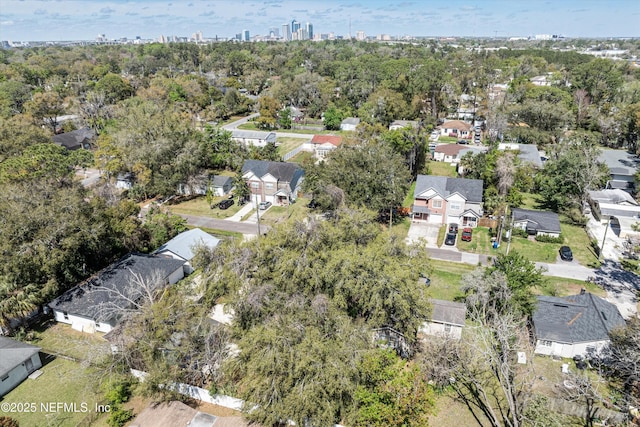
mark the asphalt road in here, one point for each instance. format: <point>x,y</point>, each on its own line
<point>234,125</point>
<point>222,224</point>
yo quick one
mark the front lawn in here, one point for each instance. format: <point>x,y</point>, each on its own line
<point>200,207</point>
<point>446,279</point>
<point>278,214</point>
<point>480,242</point>
<point>301,157</point>
<point>58,338</point>
<point>578,240</point>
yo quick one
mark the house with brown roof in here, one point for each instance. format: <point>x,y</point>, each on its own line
<point>456,128</point>
<point>324,144</point>
<point>449,153</point>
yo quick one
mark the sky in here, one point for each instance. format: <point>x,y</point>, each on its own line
<point>34,20</point>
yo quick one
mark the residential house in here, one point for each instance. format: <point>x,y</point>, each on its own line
<point>96,304</point>
<point>449,153</point>
<point>538,223</point>
<point>275,182</point>
<point>75,140</point>
<point>572,325</point>
<point>618,205</point>
<point>350,124</point>
<point>447,318</point>
<point>388,337</point>
<point>401,124</point>
<point>527,153</point>
<point>125,181</point>
<point>198,185</point>
<point>456,128</point>
<point>442,200</point>
<point>17,361</point>
<point>622,168</point>
<point>182,246</point>
<point>253,137</point>
<point>324,144</point>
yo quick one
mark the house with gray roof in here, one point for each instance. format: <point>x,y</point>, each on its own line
<point>253,137</point>
<point>401,124</point>
<point>183,245</point>
<point>199,184</point>
<point>76,139</point>
<point>622,168</point>
<point>18,360</point>
<point>447,318</point>
<point>536,223</point>
<point>444,200</point>
<point>275,182</point>
<point>527,153</point>
<point>350,124</point>
<point>575,324</point>
<point>97,304</point>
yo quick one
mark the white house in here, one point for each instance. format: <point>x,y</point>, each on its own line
<point>350,124</point>
<point>17,361</point>
<point>324,144</point>
<point>447,318</point>
<point>401,124</point>
<point>456,128</point>
<point>572,325</point>
<point>622,168</point>
<point>448,153</point>
<point>199,184</point>
<point>253,137</point>
<point>182,246</point>
<point>96,304</point>
<point>538,223</point>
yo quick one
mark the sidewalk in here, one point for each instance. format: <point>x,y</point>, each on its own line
<point>237,217</point>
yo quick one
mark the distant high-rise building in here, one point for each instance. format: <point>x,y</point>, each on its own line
<point>360,35</point>
<point>295,26</point>
<point>286,32</point>
<point>309,31</point>
<point>246,36</point>
<point>274,32</point>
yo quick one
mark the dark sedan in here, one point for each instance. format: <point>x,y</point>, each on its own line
<point>566,254</point>
<point>450,240</point>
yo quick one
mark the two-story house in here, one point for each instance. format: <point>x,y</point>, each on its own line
<point>275,182</point>
<point>444,200</point>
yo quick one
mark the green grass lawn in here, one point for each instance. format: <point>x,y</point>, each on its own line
<point>408,201</point>
<point>286,144</point>
<point>446,279</point>
<point>220,234</point>
<point>199,207</point>
<point>61,381</point>
<point>58,338</point>
<point>442,169</point>
<point>578,240</point>
<point>301,157</point>
<point>447,139</point>
<point>441,234</point>
<point>480,242</point>
<point>278,214</point>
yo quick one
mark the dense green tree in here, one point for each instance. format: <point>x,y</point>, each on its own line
<point>370,174</point>
<point>45,108</point>
<point>332,118</point>
<point>522,278</point>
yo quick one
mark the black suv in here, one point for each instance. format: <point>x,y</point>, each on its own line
<point>453,228</point>
<point>450,240</point>
<point>225,204</point>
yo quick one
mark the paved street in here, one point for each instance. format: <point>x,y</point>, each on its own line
<point>234,125</point>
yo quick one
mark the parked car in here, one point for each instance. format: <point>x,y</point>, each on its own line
<point>450,240</point>
<point>453,228</point>
<point>264,205</point>
<point>225,204</point>
<point>565,253</point>
<point>467,234</point>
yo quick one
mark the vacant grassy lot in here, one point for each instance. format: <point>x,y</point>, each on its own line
<point>480,242</point>
<point>61,339</point>
<point>445,279</point>
<point>301,157</point>
<point>286,144</point>
<point>442,169</point>
<point>200,207</point>
<point>61,381</point>
<point>279,214</point>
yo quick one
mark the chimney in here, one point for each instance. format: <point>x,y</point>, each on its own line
<point>582,291</point>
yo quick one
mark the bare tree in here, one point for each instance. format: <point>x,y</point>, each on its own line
<point>506,172</point>
<point>579,387</point>
<point>483,368</point>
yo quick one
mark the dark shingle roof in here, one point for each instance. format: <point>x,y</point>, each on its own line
<point>541,220</point>
<point>575,318</point>
<point>89,298</point>
<point>221,181</point>
<point>75,139</point>
<point>453,313</point>
<point>282,171</point>
<point>471,189</point>
<point>13,353</point>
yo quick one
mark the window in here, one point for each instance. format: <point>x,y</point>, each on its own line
<point>447,328</point>
<point>97,325</point>
<point>546,343</point>
<point>255,185</point>
<point>456,206</point>
<point>436,203</point>
<point>66,315</point>
<point>268,186</point>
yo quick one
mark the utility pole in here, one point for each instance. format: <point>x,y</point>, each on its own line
<point>258,215</point>
<point>604,239</point>
<point>510,234</point>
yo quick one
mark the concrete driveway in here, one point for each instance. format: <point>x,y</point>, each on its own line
<point>622,287</point>
<point>421,230</point>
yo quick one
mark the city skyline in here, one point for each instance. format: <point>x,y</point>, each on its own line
<point>35,20</point>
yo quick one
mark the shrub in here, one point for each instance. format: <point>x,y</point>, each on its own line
<point>120,392</point>
<point>550,239</point>
<point>119,417</point>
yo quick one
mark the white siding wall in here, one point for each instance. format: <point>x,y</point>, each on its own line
<point>438,329</point>
<point>18,374</point>
<point>176,276</point>
<point>83,324</point>
<point>568,350</point>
